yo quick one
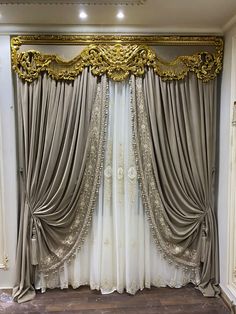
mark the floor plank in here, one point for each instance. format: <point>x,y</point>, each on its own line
<point>186,300</point>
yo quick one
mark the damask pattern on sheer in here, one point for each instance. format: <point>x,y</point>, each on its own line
<point>119,253</point>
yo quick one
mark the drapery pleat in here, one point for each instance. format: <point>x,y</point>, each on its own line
<point>61,129</point>
<point>119,253</point>
<point>174,126</point>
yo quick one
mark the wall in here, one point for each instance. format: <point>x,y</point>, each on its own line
<point>228,96</point>
<point>9,160</point>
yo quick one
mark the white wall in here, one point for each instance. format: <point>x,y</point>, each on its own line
<point>9,160</point>
<point>227,98</point>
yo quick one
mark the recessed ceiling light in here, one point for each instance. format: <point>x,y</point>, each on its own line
<point>83,15</point>
<point>120,15</point>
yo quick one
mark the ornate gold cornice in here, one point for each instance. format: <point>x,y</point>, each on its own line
<point>117,56</point>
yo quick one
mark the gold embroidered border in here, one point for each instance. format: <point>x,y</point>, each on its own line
<point>117,56</point>
<point>78,231</point>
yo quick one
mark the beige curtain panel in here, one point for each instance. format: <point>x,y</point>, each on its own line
<point>61,129</point>
<point>174,125</point>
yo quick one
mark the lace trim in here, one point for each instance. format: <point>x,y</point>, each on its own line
<point>90,185</point>
<point>109,286</point>
<point>151,199</point>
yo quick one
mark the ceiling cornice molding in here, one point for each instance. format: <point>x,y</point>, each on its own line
<point>70,2</point>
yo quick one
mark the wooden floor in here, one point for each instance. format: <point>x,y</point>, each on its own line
<point>186,300</point>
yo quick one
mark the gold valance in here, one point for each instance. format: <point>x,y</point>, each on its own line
<point>117,56</point>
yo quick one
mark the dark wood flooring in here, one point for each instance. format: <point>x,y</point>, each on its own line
<point>185,300</point>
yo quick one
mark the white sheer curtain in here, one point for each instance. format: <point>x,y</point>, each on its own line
<point>119,253</point>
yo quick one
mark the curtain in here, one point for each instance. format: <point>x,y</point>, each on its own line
<point>119,252</point>
<point>61,129</point>
<point>174,124</point>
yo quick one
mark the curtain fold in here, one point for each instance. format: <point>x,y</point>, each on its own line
<point>174,124</point>
<point>62,130</point>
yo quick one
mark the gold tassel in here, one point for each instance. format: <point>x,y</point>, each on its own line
<point>203,249</point>
<point>34,248</point>
<point>203,244</point>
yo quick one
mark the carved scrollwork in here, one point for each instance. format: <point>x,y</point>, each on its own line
<point>118,61</point>
<point>204,64</point>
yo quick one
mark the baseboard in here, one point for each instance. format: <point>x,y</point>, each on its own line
<point>230,304</point>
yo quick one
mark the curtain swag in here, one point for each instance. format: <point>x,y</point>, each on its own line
<point>62,117</point>
<point>118,61</point>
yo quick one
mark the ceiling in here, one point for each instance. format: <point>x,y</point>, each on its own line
<point>185,16</point>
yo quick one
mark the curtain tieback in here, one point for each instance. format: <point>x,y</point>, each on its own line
<point>34,240</point>
<point>207,211</point>
<point>203,246</point>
